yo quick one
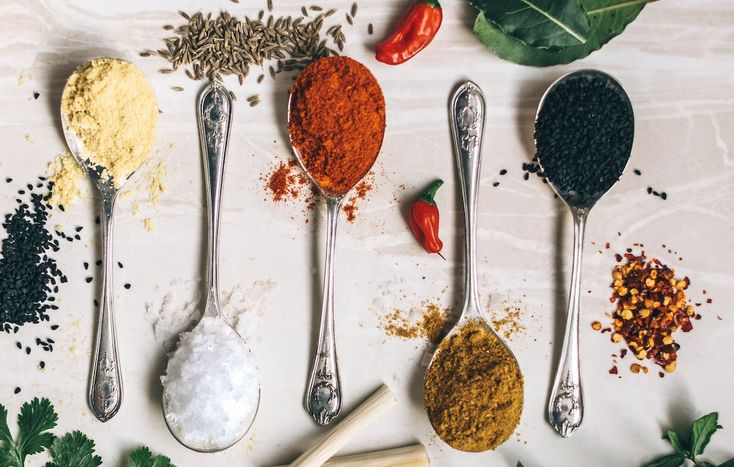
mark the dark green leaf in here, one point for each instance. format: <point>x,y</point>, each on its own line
<point>704,464</point>
<point>729,463</point>
<point>604,27</point>
<point>73,449</point>
<point>142,457</point>
<point>671,460</point>
<point>678,444</point>
<point>543,24</point>
<point>519,464</point>
<point>6,439</point>
<point>701,432</point>
<point>35,419</point>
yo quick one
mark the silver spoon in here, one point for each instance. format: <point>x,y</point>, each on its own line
<point>323,393</point>
<point>566,405</point>
<point>105,382</point>
<point>467,116</point>
<point>214,115</point>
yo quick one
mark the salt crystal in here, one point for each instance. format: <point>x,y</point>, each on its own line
<point>211,388</point>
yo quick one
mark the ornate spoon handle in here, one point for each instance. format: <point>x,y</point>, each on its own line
<point>105,384</point>
<point>323,394</point>
<point>566,405</point>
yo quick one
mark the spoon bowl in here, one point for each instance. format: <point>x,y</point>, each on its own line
<point>580,119</point>
<point>105,381</point>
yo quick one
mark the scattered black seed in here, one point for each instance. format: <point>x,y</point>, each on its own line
<point>96,220</point>
<point>86,265</point>
<point>370,29</point>
<point>8,180</point>
<point>664,195</point>
<point>88,279</point>
<point>79,229</point>
<point>36,95</point>
<point>19,345</point>
<point>54,327</point>
<point>127,286</point>
<point>48,339</point>
<point>496,184</point>
<point>21,192</point>
<point>583,136</point>
<point>61,207</point>
<point>120,265</point>
<point>17,390</point>
<point>77,237</point>
<point>42,364</point>
<point>503,172</point>
<point>637,172</point>
<point>526,176</point>
<point>28,350</point>
<point>96,303</point>
<point>98,262</point>
<point>649,190</point>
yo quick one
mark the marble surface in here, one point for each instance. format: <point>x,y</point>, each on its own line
<point>676,62</point>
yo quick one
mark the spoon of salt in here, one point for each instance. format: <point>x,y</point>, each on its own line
<point>584,129</point>
<point>105,381</point>
<point>467,115</point>
<point>211,390</point>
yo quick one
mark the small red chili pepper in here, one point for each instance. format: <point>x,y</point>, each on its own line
<point>423,219</point>
<point>413,33</point>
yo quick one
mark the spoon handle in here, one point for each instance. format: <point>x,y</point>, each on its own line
<point>323,394</point>
<point>566,404</point>
<point>105,383</point>
<point>214,115</point>
<point>467,118</point>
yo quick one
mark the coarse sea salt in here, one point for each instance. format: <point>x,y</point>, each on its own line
<point>211,388</point>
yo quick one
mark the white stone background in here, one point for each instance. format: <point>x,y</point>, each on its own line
<point>676,61</point>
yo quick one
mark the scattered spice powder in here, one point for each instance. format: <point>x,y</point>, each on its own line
<point>359,193</point>
<point>651,306</point>
<point>432,324</point>
<point>337,121</point>
<point>508,321</point>
<point>64,174</point>
<point>473,390</point>
<point>286,181</point>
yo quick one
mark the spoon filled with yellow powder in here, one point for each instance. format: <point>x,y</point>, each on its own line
<point>109,117</point>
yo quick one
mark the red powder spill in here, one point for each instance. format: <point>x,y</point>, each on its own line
<point>359,192</point>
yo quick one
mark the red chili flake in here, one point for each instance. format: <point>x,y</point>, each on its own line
<point>613,370</point>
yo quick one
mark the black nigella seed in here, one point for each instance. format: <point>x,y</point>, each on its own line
<point>30,187</point>
<point>77,237</point>
<point>503,172</point>
<point>19,345</point>
<point>42,364</point>
<point>48,339</point>
<point>21,192</point>
<point>61,207</point>
<point>86,265</point>
<point>583,134</point>
<point>526,176</point>
<point>664,195</point>
<point>28,350</point>
<point>120,265</point>
<point>8,180</point>
<point>88,280</point>
<point>98,262</point>
<point>637,172</point>
<point>96,303</point>
<point>79,229</point>
<point>36,95</point>
<point>96,220</point>
<point>649,190</point>
<point>17,390</point>
<point>54,327</point>
<point>127,286</point>
<point>496,184</point>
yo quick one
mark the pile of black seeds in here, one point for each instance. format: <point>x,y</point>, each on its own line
<point>29,275</point>
<point>583,136</point>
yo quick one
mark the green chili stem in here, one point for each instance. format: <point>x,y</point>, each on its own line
<point>430,192</point>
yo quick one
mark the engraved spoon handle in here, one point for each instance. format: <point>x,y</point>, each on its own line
<point>467,118</point>
<point>323,394</point>
<point>105,384</point>
<point>214,115</point>
<point>566,404</point>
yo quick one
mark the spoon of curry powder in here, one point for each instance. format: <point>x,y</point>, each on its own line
<point>336,124</point>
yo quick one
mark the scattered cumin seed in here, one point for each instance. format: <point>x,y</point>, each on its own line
<point>187,17</point>
<point>304,11</point>
<point>260,79</point>
<point>177,88</point>
<point>253,98</point>
<point>370,29</point>
<point>144,54</point>
<point>330,12</point>
<point>254,103</point>
<point>270,5</point>
<point>315,8</point>
<point>168,27</point>
<point>165,71</point>
<point>354,9</point>
<point>349,19</point>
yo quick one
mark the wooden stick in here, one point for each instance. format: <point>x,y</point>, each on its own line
<point>336,438</point>
<point>409,456</point>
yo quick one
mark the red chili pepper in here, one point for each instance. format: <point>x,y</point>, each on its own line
<point>423,219</point>
<point>414,32</point>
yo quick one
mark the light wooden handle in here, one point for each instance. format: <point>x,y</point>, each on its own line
<point>409,456</point>
<point>336,438</point>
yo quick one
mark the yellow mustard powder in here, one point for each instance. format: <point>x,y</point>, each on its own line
<point>148,223</point>
<point>112,109</point>
<point>156,185</point>
<point>64,173</point>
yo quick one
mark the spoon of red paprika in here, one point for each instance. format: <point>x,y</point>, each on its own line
<point>336,124</point>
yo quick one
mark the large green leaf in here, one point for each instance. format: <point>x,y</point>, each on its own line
<point>538,23</point>
<point>671,460</point>
<point>701,432</point>
<point>604,26</point>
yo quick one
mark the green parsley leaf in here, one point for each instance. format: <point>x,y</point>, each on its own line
<point>73,449</point>
<point>6,439</point>
<point>678,444</point>
<point>671,460</point>
<point>142,457</point>
<point>701,432</point>
<point>34,420</point>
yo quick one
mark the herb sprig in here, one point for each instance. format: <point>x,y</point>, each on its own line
<point>36,420</point>
<point>701,432</point>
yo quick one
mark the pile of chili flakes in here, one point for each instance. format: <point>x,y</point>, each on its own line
<point>651,305</point>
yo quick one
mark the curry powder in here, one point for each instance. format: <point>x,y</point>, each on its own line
<point>473,390</point>
<point>337,122</point>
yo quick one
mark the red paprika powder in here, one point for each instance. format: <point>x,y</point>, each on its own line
<point>337,122</point>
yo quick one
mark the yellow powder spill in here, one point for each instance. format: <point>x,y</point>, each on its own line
<point>113,111</point>
<point>148,223</point>
<point>432,324</point>
<point>64,173</point>
<point>507,321</point>
<point>154,179</point>
<point>29,138</point>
